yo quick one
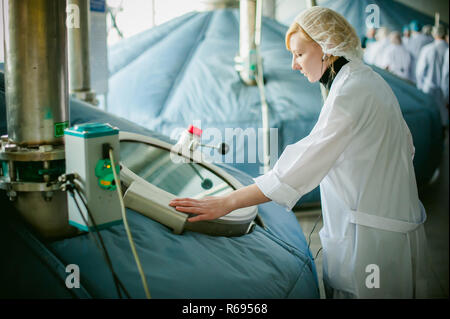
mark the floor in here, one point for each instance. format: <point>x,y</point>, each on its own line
<point>435,198</point>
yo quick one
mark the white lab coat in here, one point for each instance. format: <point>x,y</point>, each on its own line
<point>405,40</point>
<point>415,44</point>
<point>374,52</point>
<point>397,59</point>
<point>429,73</point>
<point>444,81</point>
<point>360,151</point>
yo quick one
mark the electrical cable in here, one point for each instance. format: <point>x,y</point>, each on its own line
<point>71,190</point>
<point>264,111</point>
<point>259,78</point>
<point>314,227</point>
<point>106,255</point>
<point>318,253</point>
<point>125,222</point>
<point>90,234</point>
<point>72,186</point>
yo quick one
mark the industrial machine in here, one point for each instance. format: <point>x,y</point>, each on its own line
<point>73,181</point>
<point>32,154</point>
<point>88,161</point>
<point>41,158</point>
<point>153,174</point>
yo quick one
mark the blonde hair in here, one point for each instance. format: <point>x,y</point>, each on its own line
<point>294,28</point>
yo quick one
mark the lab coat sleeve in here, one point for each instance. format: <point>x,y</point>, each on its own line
<point>385,58</point>
<point>421,68</point>
<point>410,140</point>
<point>444,81</point>
<point>303,165</point>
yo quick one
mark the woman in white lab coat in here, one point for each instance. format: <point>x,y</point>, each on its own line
<point>360,152</point>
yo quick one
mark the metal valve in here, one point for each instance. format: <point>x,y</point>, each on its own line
<point>223,148</point>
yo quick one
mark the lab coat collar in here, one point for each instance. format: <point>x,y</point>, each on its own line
<point>328,76</point>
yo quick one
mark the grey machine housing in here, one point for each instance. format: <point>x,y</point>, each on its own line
<point>153,202</point>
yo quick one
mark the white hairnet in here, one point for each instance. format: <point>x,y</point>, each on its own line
<point>331,31</point>
<point>439,31</point>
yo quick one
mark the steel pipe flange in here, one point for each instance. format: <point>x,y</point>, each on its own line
<point>19,154</point>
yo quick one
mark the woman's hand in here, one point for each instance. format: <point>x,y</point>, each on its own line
<point>214,207</point>
<point>207,208</point>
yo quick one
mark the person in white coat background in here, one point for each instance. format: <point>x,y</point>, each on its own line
<point>429,70</point>
<point>444,81</point>
<point>361,152</point>
<point>428,31</point>
<point>396,58</point>
<point>374,51</point>
<point>416,42</point>
<point>406,35</point>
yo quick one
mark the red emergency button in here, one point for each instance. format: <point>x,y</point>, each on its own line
<point>195,130</point>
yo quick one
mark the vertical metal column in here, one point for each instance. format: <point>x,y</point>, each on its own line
<point>246,60</point>
<point>260,83</point>
<point>35,71</point>
<point>269,8</point>
<point>79,53</point>
<point>37,112</point>
<point>311,3</point>
<point>207,5</point>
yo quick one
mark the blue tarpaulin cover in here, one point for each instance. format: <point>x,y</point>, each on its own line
<point>180,72</point>
<point>267,263</point>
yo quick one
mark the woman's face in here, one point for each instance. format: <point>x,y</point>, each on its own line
<point>307,57</point>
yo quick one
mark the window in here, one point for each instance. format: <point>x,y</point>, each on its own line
<point>129,17</point>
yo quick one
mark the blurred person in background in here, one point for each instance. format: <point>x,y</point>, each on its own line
<point>373,53</point>
<point>406,34</point>
<point>427,30</point>
<point>416,42</point>
<point>369,38</point>
<point>396,58</point>
<point>429,69</point>
<point>444,83</point>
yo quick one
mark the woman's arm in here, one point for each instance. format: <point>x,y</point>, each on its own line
<point>214,207</point>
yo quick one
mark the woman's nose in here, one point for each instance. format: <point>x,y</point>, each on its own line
<point>295,65</point>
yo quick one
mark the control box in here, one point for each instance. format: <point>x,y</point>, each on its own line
<point>87,155</point>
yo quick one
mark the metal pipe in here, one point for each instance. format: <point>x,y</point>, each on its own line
<point>207,5</point>
<point>35,69</point>
<point>260,82</point>
<point>153,13</point>
<point>37,110</point>
<point>79,51</point>
<point>269,8</point>
<point>247,46</point>
<point>311,3</point>
<point>436,19</point>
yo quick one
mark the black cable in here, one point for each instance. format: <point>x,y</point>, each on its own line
<point>72,193</point>
<point>116,279</point>
<point>317,254</point>
<point>104,249</point>
<point>314,227</point>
